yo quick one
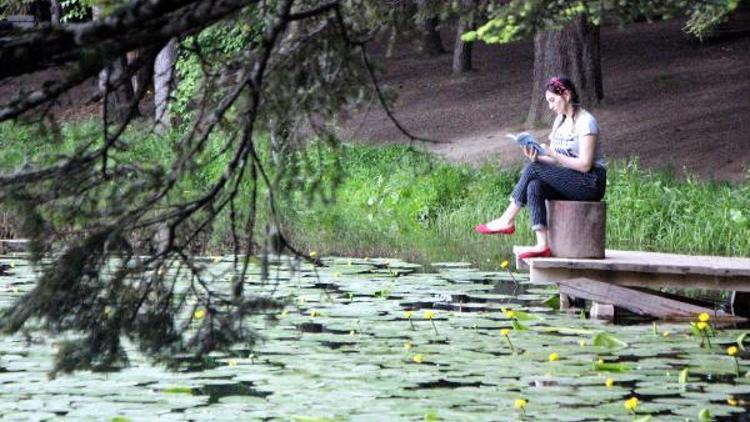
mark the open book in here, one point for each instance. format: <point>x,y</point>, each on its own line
<point>526,139</point>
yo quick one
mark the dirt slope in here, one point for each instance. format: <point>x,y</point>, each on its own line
<point>673,103</point>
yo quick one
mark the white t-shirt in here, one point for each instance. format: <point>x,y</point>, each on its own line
<point>566,135</point>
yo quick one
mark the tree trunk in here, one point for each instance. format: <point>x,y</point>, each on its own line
<point>431,42</point>
<point>400,22</point>
<point>118,93</point>
<point>462,50</point>
<point>55,12</point>
<point>163,80</point>
<point>573,52</point>
<point>142,78</point>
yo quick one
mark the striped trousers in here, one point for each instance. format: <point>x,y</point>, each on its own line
<point>540,182</point>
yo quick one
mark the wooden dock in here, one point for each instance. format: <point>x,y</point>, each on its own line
<point>640,269</point>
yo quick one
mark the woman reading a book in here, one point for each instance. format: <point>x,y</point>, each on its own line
<point>571,168</point>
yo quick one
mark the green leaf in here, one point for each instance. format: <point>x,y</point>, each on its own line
<point>470,36</point>
<point>682,379</point>
<point>741,340</point>
<point>695,331</point>
<point>178,390</point>
<point>704,415</point>
<point>524,316</point>
<point>518,326</point>
<point>553,302</point>
<point>612,367</point>
<point>431,416</point>
<point>607,340</point>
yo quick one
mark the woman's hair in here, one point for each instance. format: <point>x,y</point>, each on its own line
<point>559,84</point>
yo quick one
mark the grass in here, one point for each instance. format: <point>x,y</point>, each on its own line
<point>397,201</point>
<point>404,203</point>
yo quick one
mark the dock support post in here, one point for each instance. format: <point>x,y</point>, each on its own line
<point>603,311</point>
<point>740,303</point>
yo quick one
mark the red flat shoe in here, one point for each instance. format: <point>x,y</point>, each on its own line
<point>547,252</point>
<point>483,229</point>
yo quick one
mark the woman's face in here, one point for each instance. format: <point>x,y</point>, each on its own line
<point>557,103</point>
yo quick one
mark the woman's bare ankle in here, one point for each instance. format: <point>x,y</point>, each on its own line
<point>499,224</point>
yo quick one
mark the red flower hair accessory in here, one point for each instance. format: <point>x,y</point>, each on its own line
<point>557,86</point>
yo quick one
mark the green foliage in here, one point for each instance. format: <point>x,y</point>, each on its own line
<point>520,18</point>
<point>207,53</point>
<point>399,201</point>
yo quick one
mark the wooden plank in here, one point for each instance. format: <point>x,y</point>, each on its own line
<point>14,245</point>
<point>520,265</point>
<point>627,278</point>
<point>653,262</point>
<point>636,301</point>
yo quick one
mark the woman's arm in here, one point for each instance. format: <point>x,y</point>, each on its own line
<point>584,161</point>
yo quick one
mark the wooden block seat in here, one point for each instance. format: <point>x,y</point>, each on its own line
<point>577,229</point>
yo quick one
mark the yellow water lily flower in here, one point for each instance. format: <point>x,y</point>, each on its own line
<point>504,264</point>
<point>232,362</point>
<point>352,332</point>
<point>732,350</point>
<point>199,313</point>
<point>520,404</point>
<point>505,332</point>
<point>408,314</point>
<point>582,343</point>
<point>509,313</point>
<point>418,359</point>
<point>609,382</point>
<point>216,259</point>
<point>665,334</point>
<point>704,317</point>
<point>631,404</point>
<point>553,357</point>
<point>429,314</point>
<point>701,325</point>
<point>314,313</point>
<point>732,401</point>
<point>408,345</point>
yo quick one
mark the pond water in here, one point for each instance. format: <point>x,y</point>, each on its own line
<point>346,349</point>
